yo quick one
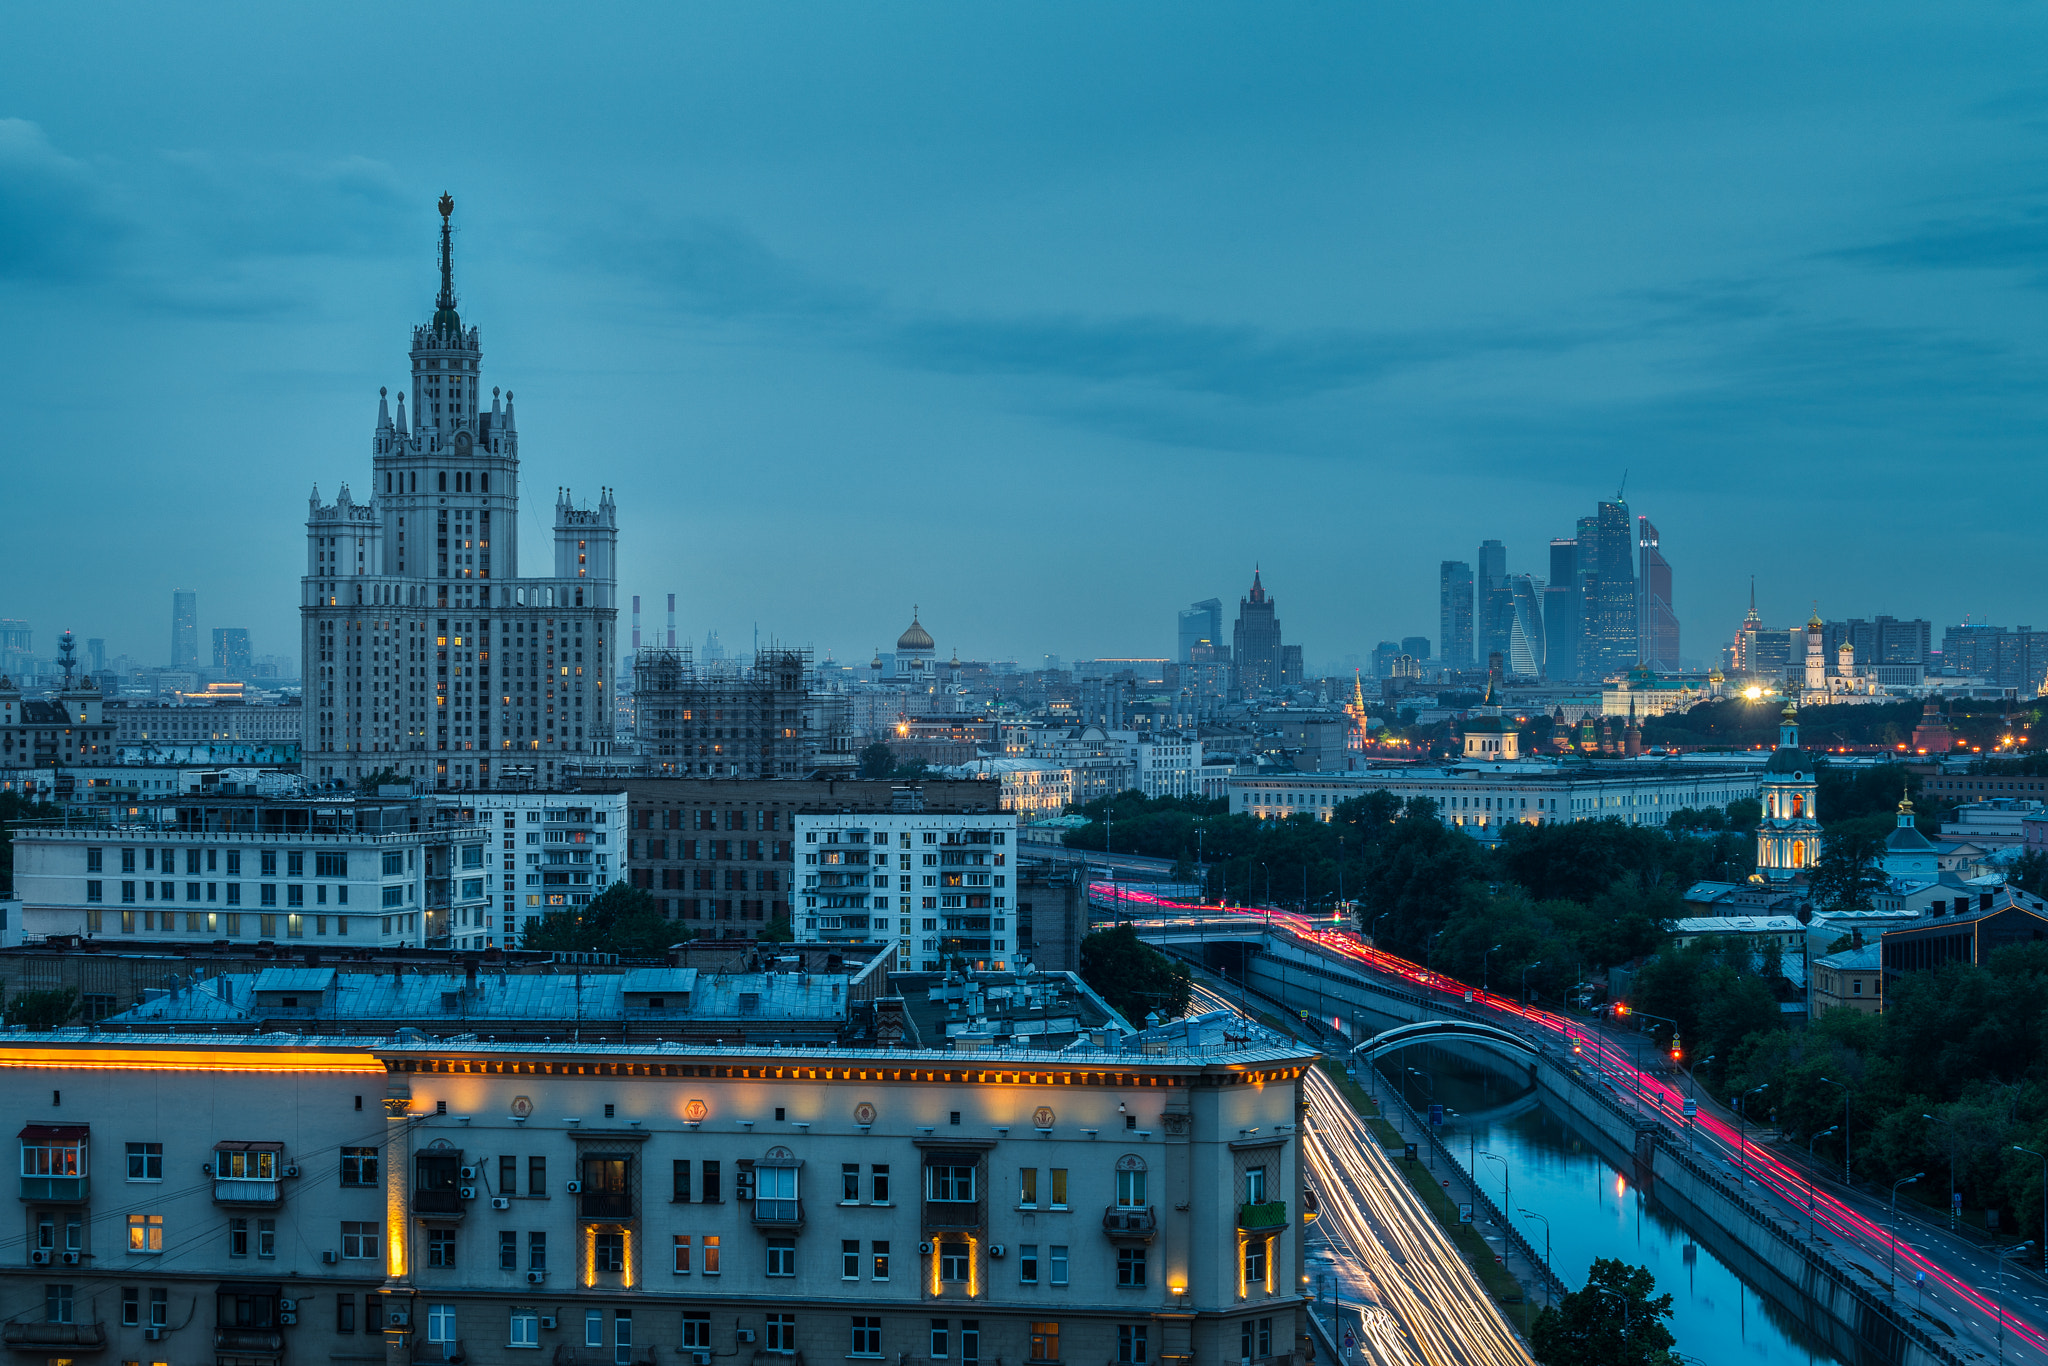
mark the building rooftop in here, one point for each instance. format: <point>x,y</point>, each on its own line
<point>1737,924</point>
<point>1864,959</point>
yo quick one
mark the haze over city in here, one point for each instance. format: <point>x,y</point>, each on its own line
<point>1050,321</point>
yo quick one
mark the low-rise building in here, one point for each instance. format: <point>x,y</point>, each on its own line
<point>1970,933</point>
<point>466,1199</point>
<point>1852,979</point>
<point>1993,823</point>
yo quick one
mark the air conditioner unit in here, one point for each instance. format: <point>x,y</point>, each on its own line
<point>744,1334</point>
<point>398,1318</point>
<point>995,1249</point>
<point>467,1192</point>
<point>330,1258</point>
<point>291,1171</point>
<point>287,1306</point>
<point>700,1359</point>
<point>575,1187</point>
<point>469,1173</point>
<point>287,1319</point>
<point>153,1333</point>
<point>924,1247</point>
<point>39,1257</point>
<point>207,1168</point>
<point>71,1259</point>
<point>501,1202</point>
<point>548,1321</point>
<point>536,1277</point>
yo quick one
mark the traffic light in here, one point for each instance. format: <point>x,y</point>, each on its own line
<point>1620,1008</point>
<point>1677,1053</point>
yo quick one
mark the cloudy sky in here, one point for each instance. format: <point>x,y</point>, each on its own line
<point>1048,318</point>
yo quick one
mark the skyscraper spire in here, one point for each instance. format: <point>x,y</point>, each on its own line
<point>445,317</point>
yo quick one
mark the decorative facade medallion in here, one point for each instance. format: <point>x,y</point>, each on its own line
<point>522,1106</point>
<point>1042,1117</point>
<point>864,1113</point>
<point>1176,1123</point>
<point>1130,1162</point>
<point>695,1110</point>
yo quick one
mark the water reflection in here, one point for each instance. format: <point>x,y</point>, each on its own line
<point>1596,1211</point>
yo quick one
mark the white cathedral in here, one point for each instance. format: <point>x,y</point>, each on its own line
<point>426,652</point>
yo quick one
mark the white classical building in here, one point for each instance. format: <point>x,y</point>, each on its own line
<point>425,651</point>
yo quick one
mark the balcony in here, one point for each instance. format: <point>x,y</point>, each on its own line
<point>247,1191</point>
<point>427,1353</point>
<point>56,1190</point>
<point>54,1339</point>
<point>786,1216</point>
<point>947,1216</point>
<point>604,1204</point>
<point>566,1355</point>
<point>249,1341</point>
<point>1131,1225</point>
<point>1263,1217</point>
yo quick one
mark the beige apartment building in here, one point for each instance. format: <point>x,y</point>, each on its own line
<point>271,1200</point>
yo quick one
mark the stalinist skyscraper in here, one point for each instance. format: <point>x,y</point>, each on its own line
<point>426,652</point>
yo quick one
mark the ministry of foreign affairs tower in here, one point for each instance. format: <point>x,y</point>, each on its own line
<point>426,652</point>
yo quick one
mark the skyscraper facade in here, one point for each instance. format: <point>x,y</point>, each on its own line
<point>1200,624</point>
<point>425,651</point>
<point>1256,641</point>
<point>1563,615</point>
<point>1607,567</point>
<point>231,651</point>
<point>1454,614</point>
<point>1415,647</point>
<point>1494,607</point>
<point>1656,622</point>
<point>1525,652</point>
<point>184,628</point>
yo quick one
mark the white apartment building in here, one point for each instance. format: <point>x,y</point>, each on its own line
<point>259,1200</point>
<point>333,871</point>
<point>425,651</point>
<point>1484,798</point>
<point>1168,764</point>
<point>941,885</point>
<point>554,853</point>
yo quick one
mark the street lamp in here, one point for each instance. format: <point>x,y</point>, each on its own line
<point>1525,979</point>
<point>1603,1290</point>
<point>2044,1196</point>
<point>1892,1260</point>
<point>1416,1071</point>
<point>1506,1199</point>
<point>1742,1130</point>
<point>1486,968</point>
<point>1846,1178</point>
<point>1997,1297</point>
<point>1832,1128</point>
<point>1532,1214</point>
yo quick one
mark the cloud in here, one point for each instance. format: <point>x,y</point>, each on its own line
<point>55,222</point>
<point>2015,239</point>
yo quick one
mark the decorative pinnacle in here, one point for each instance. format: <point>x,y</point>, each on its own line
<point>445,305</point>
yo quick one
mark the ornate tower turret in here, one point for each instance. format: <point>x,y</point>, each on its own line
<point>1788,836</point>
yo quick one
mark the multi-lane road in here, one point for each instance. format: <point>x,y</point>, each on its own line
<point>1962,1292</point>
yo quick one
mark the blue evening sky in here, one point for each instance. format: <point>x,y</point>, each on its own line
<point>1050,318</point>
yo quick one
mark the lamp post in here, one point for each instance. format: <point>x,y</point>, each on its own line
<point>1416,1071</point>
<point>1340,877</point>
<point>1892,1259</point>
<point>1269,892</point>
<point>1742,1130</point>
<point>1603,1290</point>
<point>1692,1093</point>
<point>1846,1178</point>
<point>1832,1128</point>
<point>2044,1197</point>
<point>1525,979</point>
<point>1376,927</point>
<point>1486,969</point>
<point>1532,1214</point>
<point>1506,1197</point>
<point>1997,1294</point>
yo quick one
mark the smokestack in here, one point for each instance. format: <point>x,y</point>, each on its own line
<point>671,621</point>
<point>636,623</point>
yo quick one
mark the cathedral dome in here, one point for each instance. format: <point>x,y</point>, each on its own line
<point>916,638</point>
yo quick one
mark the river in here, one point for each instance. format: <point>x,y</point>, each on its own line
<point>1594,1210</point>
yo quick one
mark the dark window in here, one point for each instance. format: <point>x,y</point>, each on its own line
<point>710,1193</point>
<point>508,1176</point>
<point>953,1261</point>
<point>437,1181</point>
<point>441,1247</point>
<point>682,1181</point>
<point>608,1250</point>
<point>536,1176</point>
<point>344,1313</point>
<point>508,1250</point>
<point>1130,1266</point>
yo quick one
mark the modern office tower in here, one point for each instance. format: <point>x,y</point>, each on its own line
<point>1563,614</point>
<point>231,650</point>
<point>96,654</point>
<point>1415,647</point>
<point>425,651</point>
<point>1525,652</point>
<point>1255,644</point>
<point>1903,642</point>
<point>1454,613</point>
<point>1656,622</point>
<point>1492,599</point>
<point>1383,656</point>
<point>184,628</point>
<point>1607,569</point>
<point>1201,624</point>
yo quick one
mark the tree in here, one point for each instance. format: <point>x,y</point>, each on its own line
<point>1847,871</point>
<point>877,761</point>
<point>777,931</point>
<point>620,919</point>
<point>381,777</point>
<point>2029,872</point>
<point>1134,977</point>
<point>1612,1322</point>
<point>43,1009</point>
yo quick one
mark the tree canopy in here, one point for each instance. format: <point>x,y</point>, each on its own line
<point>1615,1321</point>
<point>1134,977</point>
<point>620,919</point>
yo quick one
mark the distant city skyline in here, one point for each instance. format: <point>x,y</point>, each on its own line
<point>1381,312</point>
